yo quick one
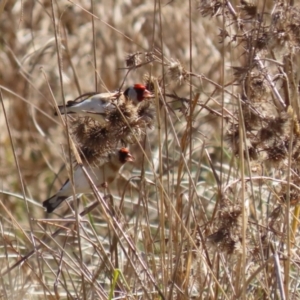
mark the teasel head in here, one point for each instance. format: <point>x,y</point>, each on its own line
<point>294,197</point>
<point>277,153</point>
<point>124,113</point>
<point>249,8</point>
<point>176,71</point>
<point>228,237</point>
<point>273,131</point>
<point>128,123</point>
<point>95,156</point>
<point>137,128</point>
<point>132,60</point>
<point>150,81</point>
<point>93,139</point>
<point>80,127</point>
<point>90,133</point>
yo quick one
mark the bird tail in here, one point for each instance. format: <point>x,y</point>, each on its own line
<point>52,203</point>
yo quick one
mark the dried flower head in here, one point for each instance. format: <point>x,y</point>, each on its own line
<point>149,82</point>
<point>79,127</point>
<point>263,40</point>
<point>133,59</point>
<point>124,113</point>
<point>276,154</point>
<point>294,196</point>
<point>149,56</point>
<point>229,235</point>
<point>257,88</point>
<point>95,156</point>
<point>96,135</point>
<point>93,139</point>
<point>127,123</point>
<point>177,71</point>
<point>249,8</point>
<point>209,8</point>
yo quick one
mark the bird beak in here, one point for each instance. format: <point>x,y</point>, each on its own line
<point>147,94</point>
<point>129,157</point>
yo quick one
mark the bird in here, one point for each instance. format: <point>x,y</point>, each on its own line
<point>97,106</point>
<point>103,173</point>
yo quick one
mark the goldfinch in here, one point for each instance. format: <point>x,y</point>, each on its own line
<point>97,106</point>
<point>101,174</point>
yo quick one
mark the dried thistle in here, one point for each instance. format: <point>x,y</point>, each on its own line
<point>135,128</point>
<point>229,235</point>
<point>149,82</point>
<point>275,128</point>
<point>125,112</point>
<point>209,8</point>
<point>127,123</point>
<point>133,59</point>
<point>93,139</point>
<point>129,134</point>
<point>294,196</point>
<point>96,136</point>
<point>79,127</point>
<point>177,71</point>
<point>264,40</point>
<point>249,8</point>
<point>276,154</point>
<point>96,155</point>
<point>257,88</point>
<point>149,56</point>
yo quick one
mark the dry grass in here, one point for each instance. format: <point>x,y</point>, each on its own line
<point>209,209</point>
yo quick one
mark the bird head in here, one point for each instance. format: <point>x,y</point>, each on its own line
<point>125,156</point>
<point>137,93</point>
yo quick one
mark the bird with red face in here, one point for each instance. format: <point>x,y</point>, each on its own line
<point>100,174</point>
<point>97,106</point>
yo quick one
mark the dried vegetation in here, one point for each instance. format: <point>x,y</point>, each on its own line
<point>210,208</point>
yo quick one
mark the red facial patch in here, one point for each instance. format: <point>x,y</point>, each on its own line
<point>124,155</point>
<point>139,86</point>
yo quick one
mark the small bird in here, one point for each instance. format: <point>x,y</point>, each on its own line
<point>97,106</point>
<point>101,174</point>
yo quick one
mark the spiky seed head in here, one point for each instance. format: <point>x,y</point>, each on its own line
<point>177,71</point>
<point>133,59</point>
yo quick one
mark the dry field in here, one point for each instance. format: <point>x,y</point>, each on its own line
<point>209,208</point>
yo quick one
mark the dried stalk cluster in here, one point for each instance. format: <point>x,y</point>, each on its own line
<point>268,84</point>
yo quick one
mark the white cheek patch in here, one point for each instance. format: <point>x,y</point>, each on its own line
<point>132,94</point>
